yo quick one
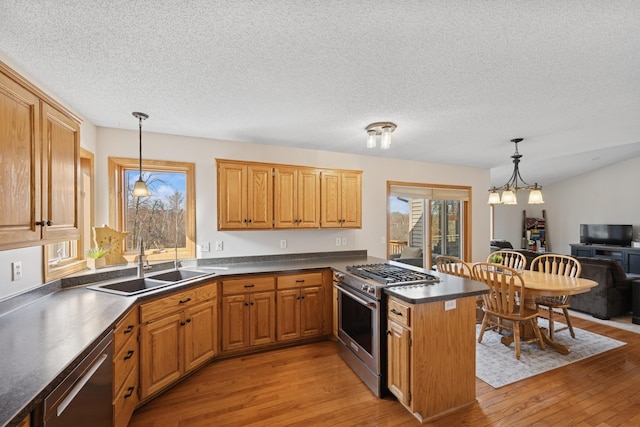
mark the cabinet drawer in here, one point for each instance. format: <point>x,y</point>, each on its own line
<point>123,362</point>
<point>299,280</point>
<point>125,329</point>
<point>176,302</point>
<point>126,400</point>
<point>399,313</point>
<point>248,284</point>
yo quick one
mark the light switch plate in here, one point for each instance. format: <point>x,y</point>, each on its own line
<point>219,245</point>
<point>450,305</point>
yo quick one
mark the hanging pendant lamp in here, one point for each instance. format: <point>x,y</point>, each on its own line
<point>140,188</point>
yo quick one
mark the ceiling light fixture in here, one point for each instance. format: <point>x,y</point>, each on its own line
<point>380,128</point>
<point>140,189</point>
<point>511,188</point>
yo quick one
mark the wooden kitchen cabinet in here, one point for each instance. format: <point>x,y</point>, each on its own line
<point>431,355</point>
<point>300,305</point>
<point>39,166</point>
<point>248,312</point>
<point>245,195</point>
<point>296,197</point>
<point>125,368</point>
<point>178,333</point>
<point>341,204</point>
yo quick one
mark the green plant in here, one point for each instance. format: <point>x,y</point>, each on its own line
<point>496,258</point>
<point>96,252</point>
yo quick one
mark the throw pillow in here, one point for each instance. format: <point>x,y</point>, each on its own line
<point>410,252</point>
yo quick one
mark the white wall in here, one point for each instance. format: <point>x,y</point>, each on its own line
<point>376,173</point>
<point>604,196</point>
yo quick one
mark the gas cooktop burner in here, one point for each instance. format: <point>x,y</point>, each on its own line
<point>389,274</point>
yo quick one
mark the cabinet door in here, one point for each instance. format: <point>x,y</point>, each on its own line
<point>199,334</point>
<point>235,322</point>
<point>20,153</point>
<point>308,191</point>
<point>259,197</point>
<point>351,200</point>
<point>285,211</point>
<point>330,207</point>
<point>288,314</point>
<point>60,175</point>
<point>633,262</point>
<point>398,362</point>
<point>263,318</point>
<point>311,308</point>
<point>160,359</point>
<point>232,196</point>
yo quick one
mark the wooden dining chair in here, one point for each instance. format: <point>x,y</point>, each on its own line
<point>505,301</point>
<point>511,259</point>
<point>452,265</point>
<point>565,266</point>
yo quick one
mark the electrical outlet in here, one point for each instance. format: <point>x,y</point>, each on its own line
<point>338,241</point>
<point>450,305</point>
<point>219,245</point>
<point>204,247</point>
<point>16,270</point>
<point>283,244</point>
<point>344,241</point>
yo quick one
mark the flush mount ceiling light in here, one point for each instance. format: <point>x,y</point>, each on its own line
<point>380,128</point>
<point>140,189</point>
<point>511,188</point>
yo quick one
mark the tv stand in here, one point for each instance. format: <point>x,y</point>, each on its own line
<point>627,256</point>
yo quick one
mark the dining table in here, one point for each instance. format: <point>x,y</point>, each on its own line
<point>545,284</point>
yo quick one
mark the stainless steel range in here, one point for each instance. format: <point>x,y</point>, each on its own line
<point>362,320</point>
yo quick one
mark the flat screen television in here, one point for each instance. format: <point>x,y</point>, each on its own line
<point>606,234</point>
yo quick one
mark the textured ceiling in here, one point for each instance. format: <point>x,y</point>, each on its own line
<point>460,78</point>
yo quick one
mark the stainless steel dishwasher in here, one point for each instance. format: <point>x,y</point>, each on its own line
<point>85,396</point>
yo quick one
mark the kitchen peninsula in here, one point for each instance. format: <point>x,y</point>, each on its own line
<point>46,334</point>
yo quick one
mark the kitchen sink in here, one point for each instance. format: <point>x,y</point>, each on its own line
<point>139,285</point>
<point>177,275</point>
<point>131,286</point>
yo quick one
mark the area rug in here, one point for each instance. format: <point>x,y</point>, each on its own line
<point>496,364</point>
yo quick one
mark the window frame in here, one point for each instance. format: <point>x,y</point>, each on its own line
<point>117,205</point>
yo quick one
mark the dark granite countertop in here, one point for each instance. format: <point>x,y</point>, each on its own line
<point>46,332</point>
<point>449,288</point>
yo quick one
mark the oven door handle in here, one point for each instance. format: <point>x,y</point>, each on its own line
<point>355,297</point>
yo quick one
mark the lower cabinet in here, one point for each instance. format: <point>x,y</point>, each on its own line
<point>125,368</point>
<point>248,312</point>
<point>300,302</point>
<point>178,333</point>
<point>432,355</point>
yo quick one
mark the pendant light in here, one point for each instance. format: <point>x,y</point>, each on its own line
<point>511,188</point>
<point>140,189</point>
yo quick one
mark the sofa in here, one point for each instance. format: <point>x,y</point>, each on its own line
<point>612,296</point>
<point>409,255</point>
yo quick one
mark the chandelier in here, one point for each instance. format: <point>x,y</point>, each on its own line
<point>511,188</point>
<point>380,128</point>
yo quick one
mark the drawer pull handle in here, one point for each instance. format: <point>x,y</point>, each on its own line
<point>128,330</point>
<point>397,313</point>
<point>300,281</point>
<point>249,286</point>
<point>129,355</point>
<point>184,301</point>
<point>129,392</point>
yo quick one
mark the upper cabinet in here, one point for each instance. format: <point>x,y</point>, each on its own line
<point>296,197</point>
<point>245,196</point>
<point>39,166</point>
<point>272,196</point>
<point>341,199</point>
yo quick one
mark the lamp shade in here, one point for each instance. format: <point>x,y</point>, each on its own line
<point>509,198</point>
<point>494,198</point>
<point>385,141</point>
<point>140,189</point>
<point>535,197</point>
<point>371,139</point>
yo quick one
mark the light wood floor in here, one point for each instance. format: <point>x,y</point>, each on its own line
<point>311,386</point>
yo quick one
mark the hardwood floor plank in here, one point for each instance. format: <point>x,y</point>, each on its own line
<point>310,385</point>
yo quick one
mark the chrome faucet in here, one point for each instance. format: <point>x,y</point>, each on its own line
<point>141,260</point>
